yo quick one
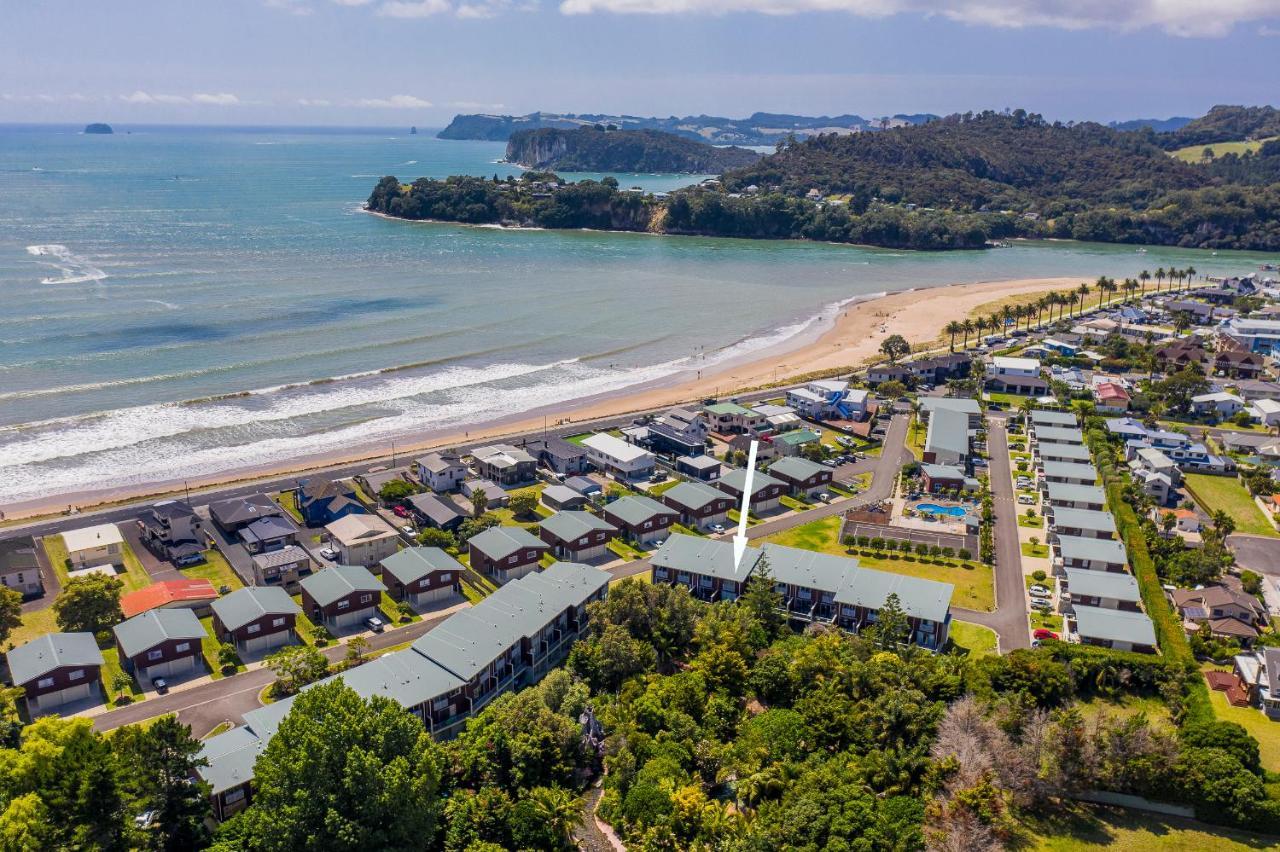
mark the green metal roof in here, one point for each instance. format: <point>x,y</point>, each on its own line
<point>1091,549</point>
<point>414,563</point>
<point>252,602</point>
<point>1070,470</point>
<point>730,408</point>
<point>796,468</point>
<point>501,542</point>
<point>948,431</point>
<point>1084,519</point>
<point>1103,584</point>
<point>1059,435</point>
<point>1115,624</point>
<point>636,510</point>
<point>706,556</point>
<point>694,495</point>
<point>52,651</point>
<point>330,584</point>
<point>1066,492</point>
<point>154,626</point>
<point>797,437</point>
<point>1043,417</point>
<point>572,525</point>
<point>737,480</point>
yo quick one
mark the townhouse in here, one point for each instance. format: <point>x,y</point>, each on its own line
<point>1060,495</point>
<point>1039,417</point>
<point>801,476</point>
<point>160,643</point>
<point>576,536</point>
<point>255,619</point>
<point>966,406</point>
<point>506,553</point>
<point>698,505</point>
<point>641,519</point>
<point>787,444</point>
<point>422,575</point>
<point>1083,523</point>
<point>1020,376</point>
<point>341,596</point>
<point>704,566</point>
<point>1070,453</point>
<point>1067,473</point>
<point>828,399</point>
<point>1102,589</point>
<point>765,490</point>
<point>937,478</point>
<point>509,639</point>
<point>559,497</point>
<point>1121,630</point>
<point>617,458</point>
<point>1057,435</point>
<point>56,669</point>
<point>1094,554</point>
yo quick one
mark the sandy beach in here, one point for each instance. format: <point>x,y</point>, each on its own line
<point>853,337</point>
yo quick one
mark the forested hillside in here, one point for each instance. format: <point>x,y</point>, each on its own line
<point>589,149</point>
<point>1225,124</point>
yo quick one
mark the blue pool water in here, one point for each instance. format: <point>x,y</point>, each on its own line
<point>934,509</point>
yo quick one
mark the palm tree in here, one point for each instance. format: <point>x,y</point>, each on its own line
<point>997,325</point>
<point>1042,304</point>
<point>953,328</point>
<point>1081,292</point>
<point>1110,287</point>
<point>982,325</point>
<point>967,328</point>
<point>1159,278</point>
<point>557,809</point>
<point>1129,286</point>
<point>1191,272</point>
<point>1144,276</point>
<point>1006,314</point>
<point>1027,311</point>
<point>1102,288</point>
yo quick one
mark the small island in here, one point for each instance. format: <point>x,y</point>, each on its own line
<point>601,148</point>
<point>98,129</point>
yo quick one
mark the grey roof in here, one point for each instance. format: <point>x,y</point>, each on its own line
<point>965,405</point>
<point>948,431</point>
<point>1115,624</point>
<point>1091,549</point>
<point>694,495</point>
<point>1069,493</point>
<point>267,529</point>
<point>1059,435</point>
<point>737,480</point>
<point>436,509</point>
<point>583,484</point>
<point>806,568</point>
<point>404,676</point>
<point>501,542</point>
<point>1044,417</point>
<point>230,757</point>
<point>18,554</point>
<point>52,651</point>
<point>942,471</point>
<point>1070,452</point>
<point>1070,470</point>
<point>251,603</point>
<point>706,556</point>
<point>287,555</point>
<point>240,510</point>
<point>796,468</point>
<point>1084,519</point>
<point>330,584</point>
<point>699,462</point>
<point>414,563</point>
<point>561,494</point>
<point>571,525</point>
<point>154,626</point>
<point>1103,584</point>
<point>636,510</point>
<point>439,463</point>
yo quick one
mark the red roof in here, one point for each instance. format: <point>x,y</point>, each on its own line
<point>167,593</point>
<point>1111,391</point>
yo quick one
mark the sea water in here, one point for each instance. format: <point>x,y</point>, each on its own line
<point>180,302</point>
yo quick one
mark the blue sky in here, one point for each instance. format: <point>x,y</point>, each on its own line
<point>400,62</point>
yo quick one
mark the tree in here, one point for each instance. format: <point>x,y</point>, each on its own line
<point>479,502</point>
<point>556,809</point>
<point>952,329</point>
<point>89,604</point>
<point>432,537</point>
<point>357,648</point>
<point>396,491</point>
<point>342,773</point>
<point>162,758</point>
<point>524,504</point>
<point>892,389</point>
<point>474,526</point>
<point>895,346</point>
<point>296,666</point>
<point>892,628</point>
<point>764,603</point>
<point>228,658</point>
<point>10,612</point>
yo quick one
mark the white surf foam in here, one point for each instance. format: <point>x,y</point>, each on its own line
<point>74,268</point>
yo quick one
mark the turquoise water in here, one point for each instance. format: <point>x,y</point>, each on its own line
<point>189,301</point>
<point>934,509</point>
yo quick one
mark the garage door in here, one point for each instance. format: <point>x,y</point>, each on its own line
<point>351,618</point>
<point>265,643</point>
<point>179,666</point>
<point>591,553</point>
<point>432,596</point>
<point>51,700</point>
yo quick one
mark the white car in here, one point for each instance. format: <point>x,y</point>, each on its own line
<point>329,553</point>
<point>824,497</point>
<point>1040,590</point>
<point>1026,499</point>
<point>717,528</point>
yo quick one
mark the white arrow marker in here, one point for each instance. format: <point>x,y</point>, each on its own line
<point>740,538</point>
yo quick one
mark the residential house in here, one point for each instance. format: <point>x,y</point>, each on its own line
<point>680,432</point>
<point>284,567</point>
<point>1118,629</point>
<point>1083,523</point>
<point>505,464</point>
<point>699,505</point>
<point>341,596</point>
<point>1229,614</point>
<point>828,399</point>
<point>267,534</point>
<point>506,553</point>
<point>322,500</point>
<point>494,494</point>
<point>1220,405</point>
<point>791,443</point>
<point>1040,417</point>
<point>1201,313</point>
<point>160,643</point>
<point>173,532</point>
<point>20,568</point>
<point>56,669</point>
<point>729,418</point>
<point>195,594</point>
<point>801,476</point>
<point>939,368</point>
<point>1020,376</point>
<point>1266,412</point>
<point>778,418</point>
<point>442,471</point>
<point>1238,364</point>
<point>255,619</point>
<point>618,458</point>
<point>1111,397</point>
<point>704,467</point>
<point>1254,335</point>
<point>1255,389</point>
<point>765,490</point>
<point>434,511</point>
<point>1259,672</point>
<point>641,519</point>
<point>372,482</point>
<point>560,456</point>
<point>236,513</point>
<point>1179,354</point>
<point>1057,435</point>
<point>558,497</point>
<point>886,372</point>
<point>947,438</point>
<point>362,539</point>
<point>577,536</point>
<point>1094,554</point>
<point>1184,520</point>
<point>1151,459</point>
<point>965,405</point>
<point>705,567</point>
<point>1069,453</point>
<point>1158,486</point>
<point>584,485</point>
<point>1102,589</point>
<point>422,575</point>
<point>939,478</point>
<point>92,546</point>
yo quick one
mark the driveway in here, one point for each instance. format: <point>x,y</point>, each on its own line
<point>157,568</point>
<point>52,585</point>
<point>1009,620</point>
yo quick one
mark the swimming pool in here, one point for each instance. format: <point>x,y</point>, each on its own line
<point>934,509</point>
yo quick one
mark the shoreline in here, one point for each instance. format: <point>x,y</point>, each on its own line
<point>842,342</point>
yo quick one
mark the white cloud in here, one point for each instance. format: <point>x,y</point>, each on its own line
<point>313,102</point>
<point>353,2</point>
<point>219,99</point>
<point>479,9</point>
<point>414,8</point>
<point>393,102</point>
<point>293,7</point>
<point>1177,17</point>
<point>141,97</point>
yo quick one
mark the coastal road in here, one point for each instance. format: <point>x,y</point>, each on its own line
<point>1009,620</point>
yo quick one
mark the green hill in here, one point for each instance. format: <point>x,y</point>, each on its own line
<point>1225,124</point>
<point>589,149</point>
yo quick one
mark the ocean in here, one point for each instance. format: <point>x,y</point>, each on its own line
<point>181,302</point>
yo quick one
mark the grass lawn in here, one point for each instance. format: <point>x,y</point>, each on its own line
<point>1048,620</point>
<point>209,649</point>
<point>288,500</point>
<point>1035,522</point>
<point>34,625</point>
<point>1265,731</point>
<point>681,528</point>
<point>794,504</point>
<point>1195,153</point>
<point>660,488</point>
<point>1008,400</point>
<point>1128,705</point>
<point>974,638</point>
<point>1088,828</point>
<point>391,609</point>
<point>734,515</point>
<point>1226,493</point>
<point>110,667</point>
<point>216,570</point>
<point>221,728</point>
<point>626,551</point>
<point>974,588</point>
<point>1038,551</point>
<point>642,577</point>
<point>56,550</point>
<point>916,435</point>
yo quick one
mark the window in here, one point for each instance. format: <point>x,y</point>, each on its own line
<point>254,628</point>
<point>78,674</point>
<point>184,646</point>
<point>648,524</point>
<point>344,604</point>
<point>277,622</point>
<point>233,796</point>
<point>44,682</point>
<point>512,560</point>
<point>155,655</point>
<point>446,576</point>
<point>364,599</point>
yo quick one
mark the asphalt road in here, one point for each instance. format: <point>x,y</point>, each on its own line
<point>1258,553</point>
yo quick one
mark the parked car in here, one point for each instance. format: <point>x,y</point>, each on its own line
<point>658,476</point>
<point>1026,499</point>
<point>979,462</point>
<point>329,553</point>
<point>1044,633</point>
<point>161,685</point>
<point>1040,590</point>
<point>400,511</point>
<point>824,497</point>
<point>377,625</point>
<point>717,528</point>
<point>408,529</point>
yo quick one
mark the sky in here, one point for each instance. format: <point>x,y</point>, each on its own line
<point>401,62</point>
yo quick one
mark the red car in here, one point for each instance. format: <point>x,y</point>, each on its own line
<point>401,511</point>
<point>1044,633</point>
